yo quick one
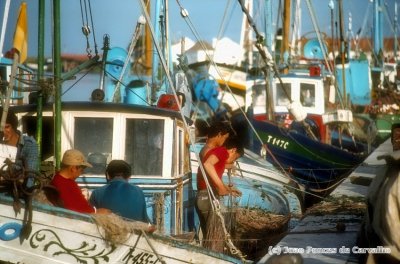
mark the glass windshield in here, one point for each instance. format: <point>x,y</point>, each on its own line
<point>281,97</point>
<point>144,146</point>
<point>307,94</point>
<point>93,136</point>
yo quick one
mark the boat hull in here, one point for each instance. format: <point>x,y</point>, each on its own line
<point>262,186</point>
<point>317,166</point>
<point>63,236</point>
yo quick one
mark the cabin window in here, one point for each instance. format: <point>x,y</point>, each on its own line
<point>258,95</point>
<point>3,74</point>
<point>93,136</point>
<point>281,96</point>
<point>144,146</point>
<point>307,94</point>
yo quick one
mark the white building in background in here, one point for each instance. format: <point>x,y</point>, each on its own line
<point>176,48</point>
<point>223,51</point>
<point>199,51</point>
<point>226,51</point>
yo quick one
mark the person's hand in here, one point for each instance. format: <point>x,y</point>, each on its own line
<point>103,211</point>
<point>86,193</point>
<point>151,229</point>
<point>233,191</point>
<point>229,166</point>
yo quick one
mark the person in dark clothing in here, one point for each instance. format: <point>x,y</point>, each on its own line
<point>118,195</point>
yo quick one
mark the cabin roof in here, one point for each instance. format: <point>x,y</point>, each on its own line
<point>103,107</point>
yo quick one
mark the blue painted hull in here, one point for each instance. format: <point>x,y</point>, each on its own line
<point>317,166</point>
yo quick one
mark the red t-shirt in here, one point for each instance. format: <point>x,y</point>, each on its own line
<point>71,195</point>
<point>222,154</point>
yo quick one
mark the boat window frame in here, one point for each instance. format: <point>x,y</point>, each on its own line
<point>295,82</point>
<point>126,117</point>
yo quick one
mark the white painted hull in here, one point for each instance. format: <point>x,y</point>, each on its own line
<point>62,236</point>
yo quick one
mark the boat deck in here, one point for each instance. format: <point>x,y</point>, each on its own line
<point>330,235</point>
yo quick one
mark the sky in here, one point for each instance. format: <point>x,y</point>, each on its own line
<point>118,19</point>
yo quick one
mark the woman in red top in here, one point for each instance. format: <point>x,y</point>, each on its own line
<point>214,163</point>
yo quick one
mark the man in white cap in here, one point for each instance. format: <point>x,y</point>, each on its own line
<point>72,166</point>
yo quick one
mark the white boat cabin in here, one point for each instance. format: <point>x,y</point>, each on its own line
<point>308,90</point>
<point>152,140</point>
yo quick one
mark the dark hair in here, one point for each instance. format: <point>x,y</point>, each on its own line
<point>234,142</point>
<point>202,127</point>
<point>394,126</point>
<point>12,118</point>
<point>118,168</point>
<point>218,127</point>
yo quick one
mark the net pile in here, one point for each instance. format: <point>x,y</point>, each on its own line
<point>116,230</point>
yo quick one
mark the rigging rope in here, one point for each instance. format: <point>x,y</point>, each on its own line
<point>135,38</point>
<point>85,27</point>
<point>94,35</point>
<point>215,204</point>
<point>269,62</point>
<point>186,17</point>
<point>86,11</point>
<point>318,32</point>
<point>385,9</point>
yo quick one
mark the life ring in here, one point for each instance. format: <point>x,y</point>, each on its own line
<point>10,226</point>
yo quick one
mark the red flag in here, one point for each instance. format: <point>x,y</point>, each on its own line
<point>21,34</point>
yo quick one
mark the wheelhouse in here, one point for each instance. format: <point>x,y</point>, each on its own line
<point>152,140</point>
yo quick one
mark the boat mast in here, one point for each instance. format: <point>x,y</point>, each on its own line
<point>296,29</point>
<point>333,37</point>
<point>245,37</point>
<point>3,28</point>
<point>268,43</point>
<point>342,51</point>
<point>285,35</point>
<point>395,33</point>
<point>147,44</point>
<point>377,32</point>
<point>155,60</point>
<point>40,72</point>
<point>57,83</point>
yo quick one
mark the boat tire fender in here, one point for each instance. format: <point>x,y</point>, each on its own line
<point>7,236</point>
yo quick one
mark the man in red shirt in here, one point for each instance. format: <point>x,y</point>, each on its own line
<point>72,166</point>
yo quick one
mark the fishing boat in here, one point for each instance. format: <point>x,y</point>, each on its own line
<point>261,184</point>
<point>63,236</point>
<point>297,129</point>
<point>158,154</point>
<point>153,139</point>
<point>219,88</point>
<point>384,101</point>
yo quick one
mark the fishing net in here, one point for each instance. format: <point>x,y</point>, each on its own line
<point>251,230</point>
<point>214,239</point>
<point>256,229</point>
<point>116,230</point>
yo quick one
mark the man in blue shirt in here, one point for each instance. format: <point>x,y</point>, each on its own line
<point>118,195</point>
<point>27,149</point>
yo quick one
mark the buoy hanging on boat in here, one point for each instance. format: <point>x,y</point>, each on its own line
<point>263,151</point>
<point>296,109</point>
<point>168,101</point>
